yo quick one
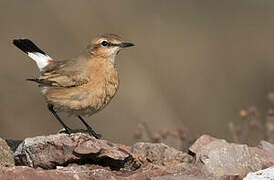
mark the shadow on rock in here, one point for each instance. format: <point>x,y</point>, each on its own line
<point>80,156</point>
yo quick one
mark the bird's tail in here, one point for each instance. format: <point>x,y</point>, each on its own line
<point>28,47</point>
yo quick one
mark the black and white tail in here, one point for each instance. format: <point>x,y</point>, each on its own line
<point>39,56</point>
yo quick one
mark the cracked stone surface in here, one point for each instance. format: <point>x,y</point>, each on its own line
<point>80,156</point>
<point>226,159</point>
<point>50,151</point>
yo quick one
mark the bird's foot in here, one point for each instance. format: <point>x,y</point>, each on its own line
<point>70,131</point>
<point>89,131</point>
<point>93,133</point>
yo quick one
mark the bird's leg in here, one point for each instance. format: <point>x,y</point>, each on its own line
<point>89,129</point>
<point>51,109</point>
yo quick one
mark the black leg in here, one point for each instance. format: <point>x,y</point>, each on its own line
<point>50,107</point>
<point>89,129</point>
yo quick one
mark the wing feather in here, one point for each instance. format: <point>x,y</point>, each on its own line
<point>66,74</point>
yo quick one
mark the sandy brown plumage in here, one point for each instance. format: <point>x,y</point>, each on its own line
<point>83,90</point>
<point>80,86</point>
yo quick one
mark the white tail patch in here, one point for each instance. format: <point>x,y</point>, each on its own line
<point>42,60</point>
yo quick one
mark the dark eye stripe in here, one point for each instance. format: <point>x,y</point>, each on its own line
<point>112,44</point>
<point>105,43</point>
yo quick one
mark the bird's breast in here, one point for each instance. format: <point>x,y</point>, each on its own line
<point>106,87</point>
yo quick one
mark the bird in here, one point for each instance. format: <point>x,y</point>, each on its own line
<point>79,86</point>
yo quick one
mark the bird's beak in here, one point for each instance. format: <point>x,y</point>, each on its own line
<point>126,44</point>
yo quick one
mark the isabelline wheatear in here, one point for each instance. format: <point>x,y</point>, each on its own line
<point>80,86</point>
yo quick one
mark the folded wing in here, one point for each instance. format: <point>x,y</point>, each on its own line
<point>64,74</point>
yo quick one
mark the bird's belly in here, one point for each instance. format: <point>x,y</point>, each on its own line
<point>82,100</point>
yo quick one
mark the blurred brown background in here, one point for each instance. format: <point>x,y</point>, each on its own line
<point>196,63</point>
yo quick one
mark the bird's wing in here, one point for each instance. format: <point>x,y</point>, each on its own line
<point>64,74</point>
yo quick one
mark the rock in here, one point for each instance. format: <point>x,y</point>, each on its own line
<point>180,177</point>
<point>159,154</point>
<point>6,155</point>
<point>185,171</point>
<point>76,173</point>
<point>200,142</point>
<point>191,171</point>
<point>226,159</point>
<point>266,174</point>
<point>61,149</point>
<point>80,156</point>
<point>27,173</point>
<point>265,150</point>
<point>57,150</point>
<point>91,158</point>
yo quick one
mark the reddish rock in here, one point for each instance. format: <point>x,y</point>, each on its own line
<point>59,150</point>
<point>6,155</point>
<point>159,154</point>
<point>27,173</point>
<point>56,150</point>
<point>200,142</point>
<point>79,156</point>
<point>222,158</point>
<point>228,159</point>
<point>265,151</point>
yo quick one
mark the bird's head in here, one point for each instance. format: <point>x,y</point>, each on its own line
<point>107,46</point>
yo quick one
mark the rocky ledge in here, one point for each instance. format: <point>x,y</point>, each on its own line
<point>79,156</point>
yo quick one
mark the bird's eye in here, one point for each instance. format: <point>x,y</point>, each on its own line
<point>104,43</point>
